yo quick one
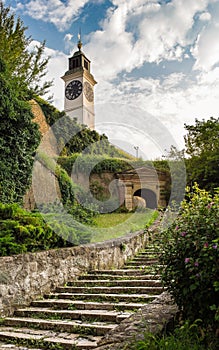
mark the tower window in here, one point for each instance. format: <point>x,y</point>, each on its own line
<point>85,64</point>
<point>74,63</point>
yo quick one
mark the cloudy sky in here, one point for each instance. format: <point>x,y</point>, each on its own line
<point>156,62</point>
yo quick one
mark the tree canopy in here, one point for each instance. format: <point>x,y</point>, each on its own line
<point>73,137</point>
<point>19,138</point>
<point>25,67</point>
<point>202,146</point>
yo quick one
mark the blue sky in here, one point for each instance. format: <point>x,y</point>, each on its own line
<point>157,61</point>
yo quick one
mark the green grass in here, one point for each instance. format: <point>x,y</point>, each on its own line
<point>186,337</point>
<point>116,225</point>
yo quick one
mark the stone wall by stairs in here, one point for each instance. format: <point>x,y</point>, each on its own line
<point>95,311</point>
<point>23,277</point>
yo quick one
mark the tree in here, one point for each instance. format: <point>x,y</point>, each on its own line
<point>26,68</point>
<point>202,146</point>
<point>19,138</point>
<point>73,137</point>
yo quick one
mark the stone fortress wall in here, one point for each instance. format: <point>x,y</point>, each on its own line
<point>25,277</point>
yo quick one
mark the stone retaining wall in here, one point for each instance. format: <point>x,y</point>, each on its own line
<point>24,277</point>
<point>153,317</point>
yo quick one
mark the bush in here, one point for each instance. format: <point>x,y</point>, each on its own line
<point>190,257</point>
<point>22,231</point>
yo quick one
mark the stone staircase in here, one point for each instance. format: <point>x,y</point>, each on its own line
<point>80,313</point>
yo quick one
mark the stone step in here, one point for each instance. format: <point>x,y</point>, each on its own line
<point>82,315</point>
<point>77,315</point>
<point>103,276</point>
<point>139,298</point>
<point>116,283</point>
<point>145,259</point>
<point>147,251</point>
<point>125,271</point>
<point>45,339</point>
<point>80,327</point>
<point>8,346</point>
<point>139,263</point>
<point>59,304</point>
<point>142,267</point>
<point>152,254</point>
<point>114,290</point>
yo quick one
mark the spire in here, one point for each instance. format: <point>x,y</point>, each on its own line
<point>79,40</point>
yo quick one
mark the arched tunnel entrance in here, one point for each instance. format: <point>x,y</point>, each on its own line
<point>149,197</point>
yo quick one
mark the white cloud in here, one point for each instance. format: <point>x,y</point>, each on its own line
<point>206,47</point>
<point>55,70</point>
<point>68,37</point>
<point>174,101</point>
<point>68,43</point>
<point>140,31</point>
<point>206,50</point>
<point>205,16</point>
<point>60,13</point>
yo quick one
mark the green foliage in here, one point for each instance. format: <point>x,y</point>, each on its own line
<point>176,163</point>
<point>81,214</point>
<point>103,162</point>
<point>75,138</point>
<point>185,337</point>
<point>26,67</point>
<point>87,163</point>
<point>190,256</point>
<point>66,186</point>
<point>93,163</point>
<point>72,137</point>
<point>202,145</point>
<point>19,138</point>
<point>51,113</point>
<point>72,211</point>
<point>22,231</point>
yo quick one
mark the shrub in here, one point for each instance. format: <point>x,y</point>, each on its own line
<point>190,256</point>
<point>22,231</point>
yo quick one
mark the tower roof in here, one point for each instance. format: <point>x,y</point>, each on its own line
<point>79,63</point>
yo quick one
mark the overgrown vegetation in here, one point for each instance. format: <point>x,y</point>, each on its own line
<point>190,257</point>
<point>185,337</point>
<point>22,231</point>
<point>19,139</point>
<point>89,163</point>
<point>202,146</point>
<point>190,273</point>
<point>74,138</point>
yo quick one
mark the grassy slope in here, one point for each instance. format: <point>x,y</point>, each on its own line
<point>115,225</point>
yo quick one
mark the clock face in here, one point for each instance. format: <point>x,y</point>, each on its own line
<point>73,89</point>
<point>88,92</point>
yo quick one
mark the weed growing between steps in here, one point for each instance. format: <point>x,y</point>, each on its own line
<point>33,343</point>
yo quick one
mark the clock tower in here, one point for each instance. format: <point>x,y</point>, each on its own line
<point>79,89</point>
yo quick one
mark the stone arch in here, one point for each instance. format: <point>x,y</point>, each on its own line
<point>149,196</point>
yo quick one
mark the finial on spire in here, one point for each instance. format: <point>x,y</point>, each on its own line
<point>79,40</point>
